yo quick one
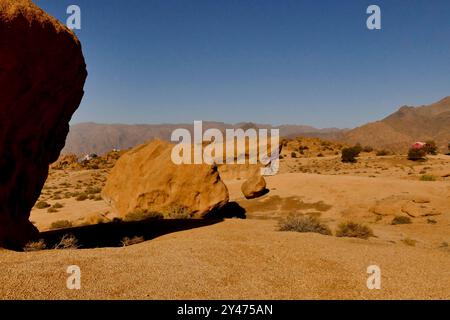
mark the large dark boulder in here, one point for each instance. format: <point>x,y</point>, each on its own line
<point>42,74</point>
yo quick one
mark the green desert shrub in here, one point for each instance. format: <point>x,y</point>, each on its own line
<point>349,154</point>
<point>354,230</point>
<point>304,223</point>
<point>401,220</point>
<point>430,147</point>
<point>416,154</point>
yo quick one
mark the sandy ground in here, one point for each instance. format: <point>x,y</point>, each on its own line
<point>236,259</point>
<point>251,259</point>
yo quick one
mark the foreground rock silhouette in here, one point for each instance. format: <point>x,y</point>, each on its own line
<point>42,74</point>
<point>146,180</point>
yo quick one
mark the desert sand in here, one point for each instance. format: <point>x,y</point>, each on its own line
<point>249,258</point>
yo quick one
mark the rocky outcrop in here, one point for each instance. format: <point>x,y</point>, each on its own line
<point>254,187</point>
<point>42,74</point>
<point>146,180</point>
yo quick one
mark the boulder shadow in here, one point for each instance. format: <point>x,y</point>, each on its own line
<point>230,210</point>
<point>112,234</point>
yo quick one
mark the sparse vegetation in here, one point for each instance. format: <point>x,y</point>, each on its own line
<point>293,155</point>
<point>177,212</point>
<point>349,154</point>
<point>81,197</point>
<point>304,223</point>
<point>430,147</point>
<point>42,205</point>
<point>416,154</point>
<point>68,241</point>
<point>427,177</point>
<point>382,153</point>
<point>92,190</point>
<point>354,230</point>
<point>401,220</point>
<point>409,242</point>
<point>61,224</point>
<point>131,241</point>
<point>35,246</point>
<point>140,215</point>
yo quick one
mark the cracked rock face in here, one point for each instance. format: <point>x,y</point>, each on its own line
<point>42,74</point>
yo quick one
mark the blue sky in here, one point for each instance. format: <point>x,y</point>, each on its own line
<point>280,62</point>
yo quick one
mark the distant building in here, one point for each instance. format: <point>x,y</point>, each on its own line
<point>89,157</point>
<point>418,145</point>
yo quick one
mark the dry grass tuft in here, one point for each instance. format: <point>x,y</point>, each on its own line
<point>401,220</point>
<point>354,230</point>
<point>131,241</point>
<point>35,246</point>
<point>68,241</point>
<point>304,224</point>
<point>61,224</point>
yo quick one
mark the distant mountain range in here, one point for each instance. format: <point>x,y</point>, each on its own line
<point>89,137</point>
<point>395,132</point>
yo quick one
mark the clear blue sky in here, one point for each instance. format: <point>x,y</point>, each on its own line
<point>298,62</point>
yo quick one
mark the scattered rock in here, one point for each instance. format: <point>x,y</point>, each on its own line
<point>145,179</point>
<point>42,74</point>
<point>254,187</point>
<point>420,199</point>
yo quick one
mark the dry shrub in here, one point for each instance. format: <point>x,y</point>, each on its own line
<point>176,212</point>
<point>68,241</point>
<point>92,190</point>
<point>35,246</point>
<point>81,197</point>
<point>58,205</point>
<point>61,224</point>
<point>409,242</point>
<point>401,220</point>
<point>129,242</point>
<point>304,224</point>
<point>139,215</point>
<point>354,230</point>
<point>427,177</point>
<point>42,205</point>
<point>52,210</point>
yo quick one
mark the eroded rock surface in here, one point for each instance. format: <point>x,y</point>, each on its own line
<point>146,180</point>
<point>42,74</point>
